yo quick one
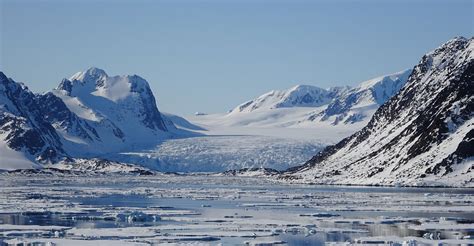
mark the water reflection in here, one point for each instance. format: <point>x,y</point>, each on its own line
<point>233,213</point>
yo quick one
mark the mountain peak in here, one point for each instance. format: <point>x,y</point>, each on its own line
<point>126,100</point>
<point>441,56</point>
<point>303,88</point>
<point>454,44</point>
<point>296,96</point>
<point>90,73</point>
<point>456,39</point>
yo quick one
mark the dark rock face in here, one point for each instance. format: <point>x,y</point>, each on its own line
<point>65,85</point>
<point>152,117</point>
<point>23,123</point>
<point>246,171</point>
<point>55,111</point>
<point>413,133</point>
<point>244,106</point>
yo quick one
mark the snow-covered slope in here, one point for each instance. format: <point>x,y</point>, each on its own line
<point>422,136</point>
<point>98,114</point>
<point>360,103</point>
<point>277,130</point>
<point>26,139</point>
<point>87,116</point>
<point>298,96</point>
<point>305,106</point>
<point>217,153</point>
<point>224,146</point>
<point>116,98</point>
<point>181,123</point>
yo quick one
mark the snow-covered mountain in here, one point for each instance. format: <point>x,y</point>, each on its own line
<point>278,130</point>
<point>298,96</point>
<point>424,135</point>
<point>359,103</point>
<point>86,116</point>
<point>96,114</point>
<point>93,116</point>
<point>311,106</point>
<point>180,122</point>
<point>122,107</point>
<point>26,138</point>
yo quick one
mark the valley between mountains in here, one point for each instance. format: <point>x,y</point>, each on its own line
<point>414,127</point>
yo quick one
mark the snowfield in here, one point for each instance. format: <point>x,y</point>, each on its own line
<point>221,153</point>
<point>227,144</point>
<point>11,160</point>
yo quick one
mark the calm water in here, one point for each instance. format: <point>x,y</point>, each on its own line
<point>257,202</point>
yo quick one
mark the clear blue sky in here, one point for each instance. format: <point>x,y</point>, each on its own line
<point>212,55</point>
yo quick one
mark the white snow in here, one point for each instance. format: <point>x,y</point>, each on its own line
<point>116,107</point>
<point>114,88</point>
<point>235,141</point>
<point>280,122</point>
<point>390,167</point>
<point>311,107</point>
<point>11,159</point>
<point>221,153</point>
<point>77,107</point>
<point>297,96</point>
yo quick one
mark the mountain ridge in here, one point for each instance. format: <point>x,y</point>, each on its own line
<point>334,106</point>
<point>86,117</point>
<point>422,135</point>
<point>22,126</point>
<point>299,95</point>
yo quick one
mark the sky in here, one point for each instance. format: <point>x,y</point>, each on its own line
<point>210,56</point>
